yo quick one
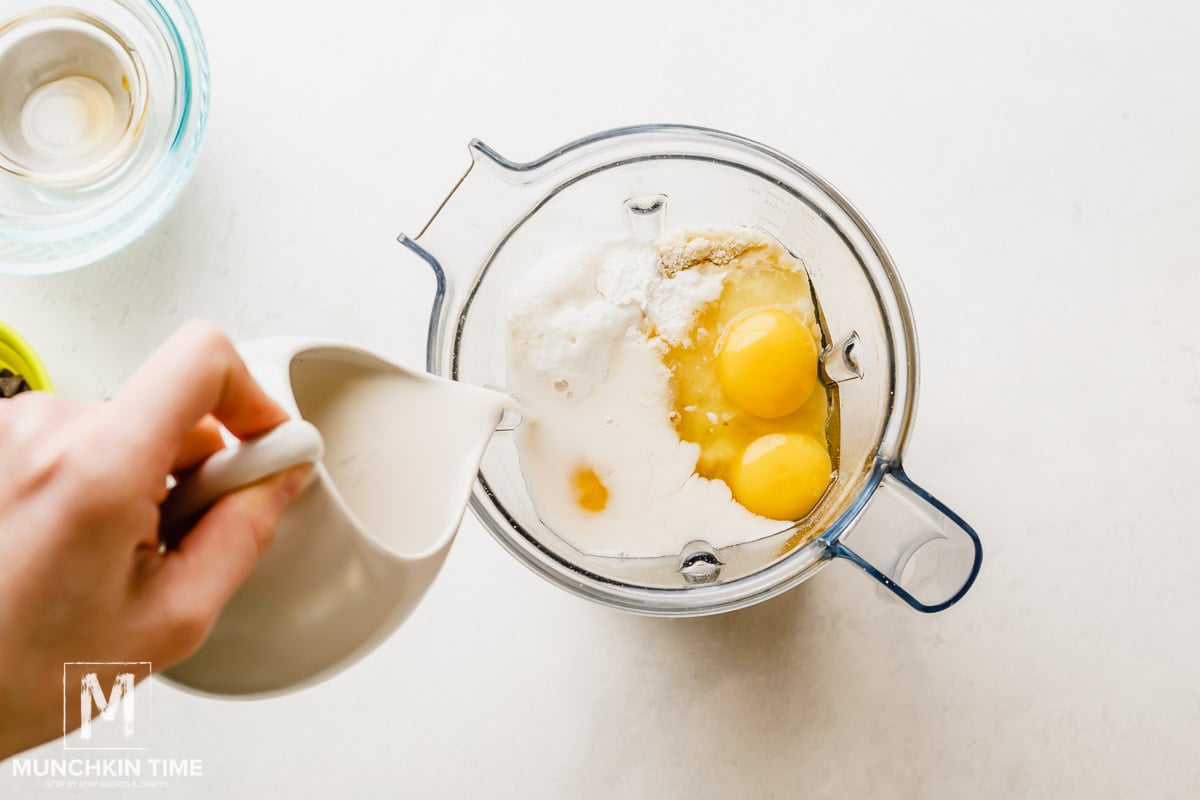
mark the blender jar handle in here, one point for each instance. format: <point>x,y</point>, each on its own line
<point>913,544</point>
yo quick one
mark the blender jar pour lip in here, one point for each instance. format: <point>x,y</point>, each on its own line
<point>593,154</point>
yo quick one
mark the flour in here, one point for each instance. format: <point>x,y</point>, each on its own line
<point>632,274</point>
<point>675,301</point>
<point>566,332</point>
<point>685,249</point>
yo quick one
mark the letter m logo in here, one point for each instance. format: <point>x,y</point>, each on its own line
<point>103,695</point>
<point>90,693</point>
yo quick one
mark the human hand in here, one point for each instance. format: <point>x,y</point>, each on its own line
<point>82,573</point>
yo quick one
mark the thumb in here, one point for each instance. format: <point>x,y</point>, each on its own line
<point>221,551</point>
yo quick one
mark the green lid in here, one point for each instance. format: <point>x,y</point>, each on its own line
<point>18,356</point>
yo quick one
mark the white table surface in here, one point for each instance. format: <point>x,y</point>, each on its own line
<point>1035,171</point>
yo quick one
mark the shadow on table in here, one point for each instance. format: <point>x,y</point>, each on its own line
<point>757,657</point>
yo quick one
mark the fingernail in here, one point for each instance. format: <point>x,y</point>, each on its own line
<point>295,479</point>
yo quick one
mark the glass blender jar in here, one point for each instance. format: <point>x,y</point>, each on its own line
<point>503,217</point>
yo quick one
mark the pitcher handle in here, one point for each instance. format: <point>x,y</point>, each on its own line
<point>287,445</point>
<point>913,544</point>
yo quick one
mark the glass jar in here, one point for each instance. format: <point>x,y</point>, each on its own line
<point>503,217</point>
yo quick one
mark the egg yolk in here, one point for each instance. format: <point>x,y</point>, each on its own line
<point>767,363</point>
<point>781,475</point>
<point>590,492</point>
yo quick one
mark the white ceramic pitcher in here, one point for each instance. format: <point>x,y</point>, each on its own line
<point>360,545</point>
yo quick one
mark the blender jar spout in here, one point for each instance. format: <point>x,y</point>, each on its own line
<point>458,240</point>
<point>911,543</point>
<point>484,203</point>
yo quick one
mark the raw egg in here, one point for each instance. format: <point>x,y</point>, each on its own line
<point>781,475</point>
<point>767,363</point>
